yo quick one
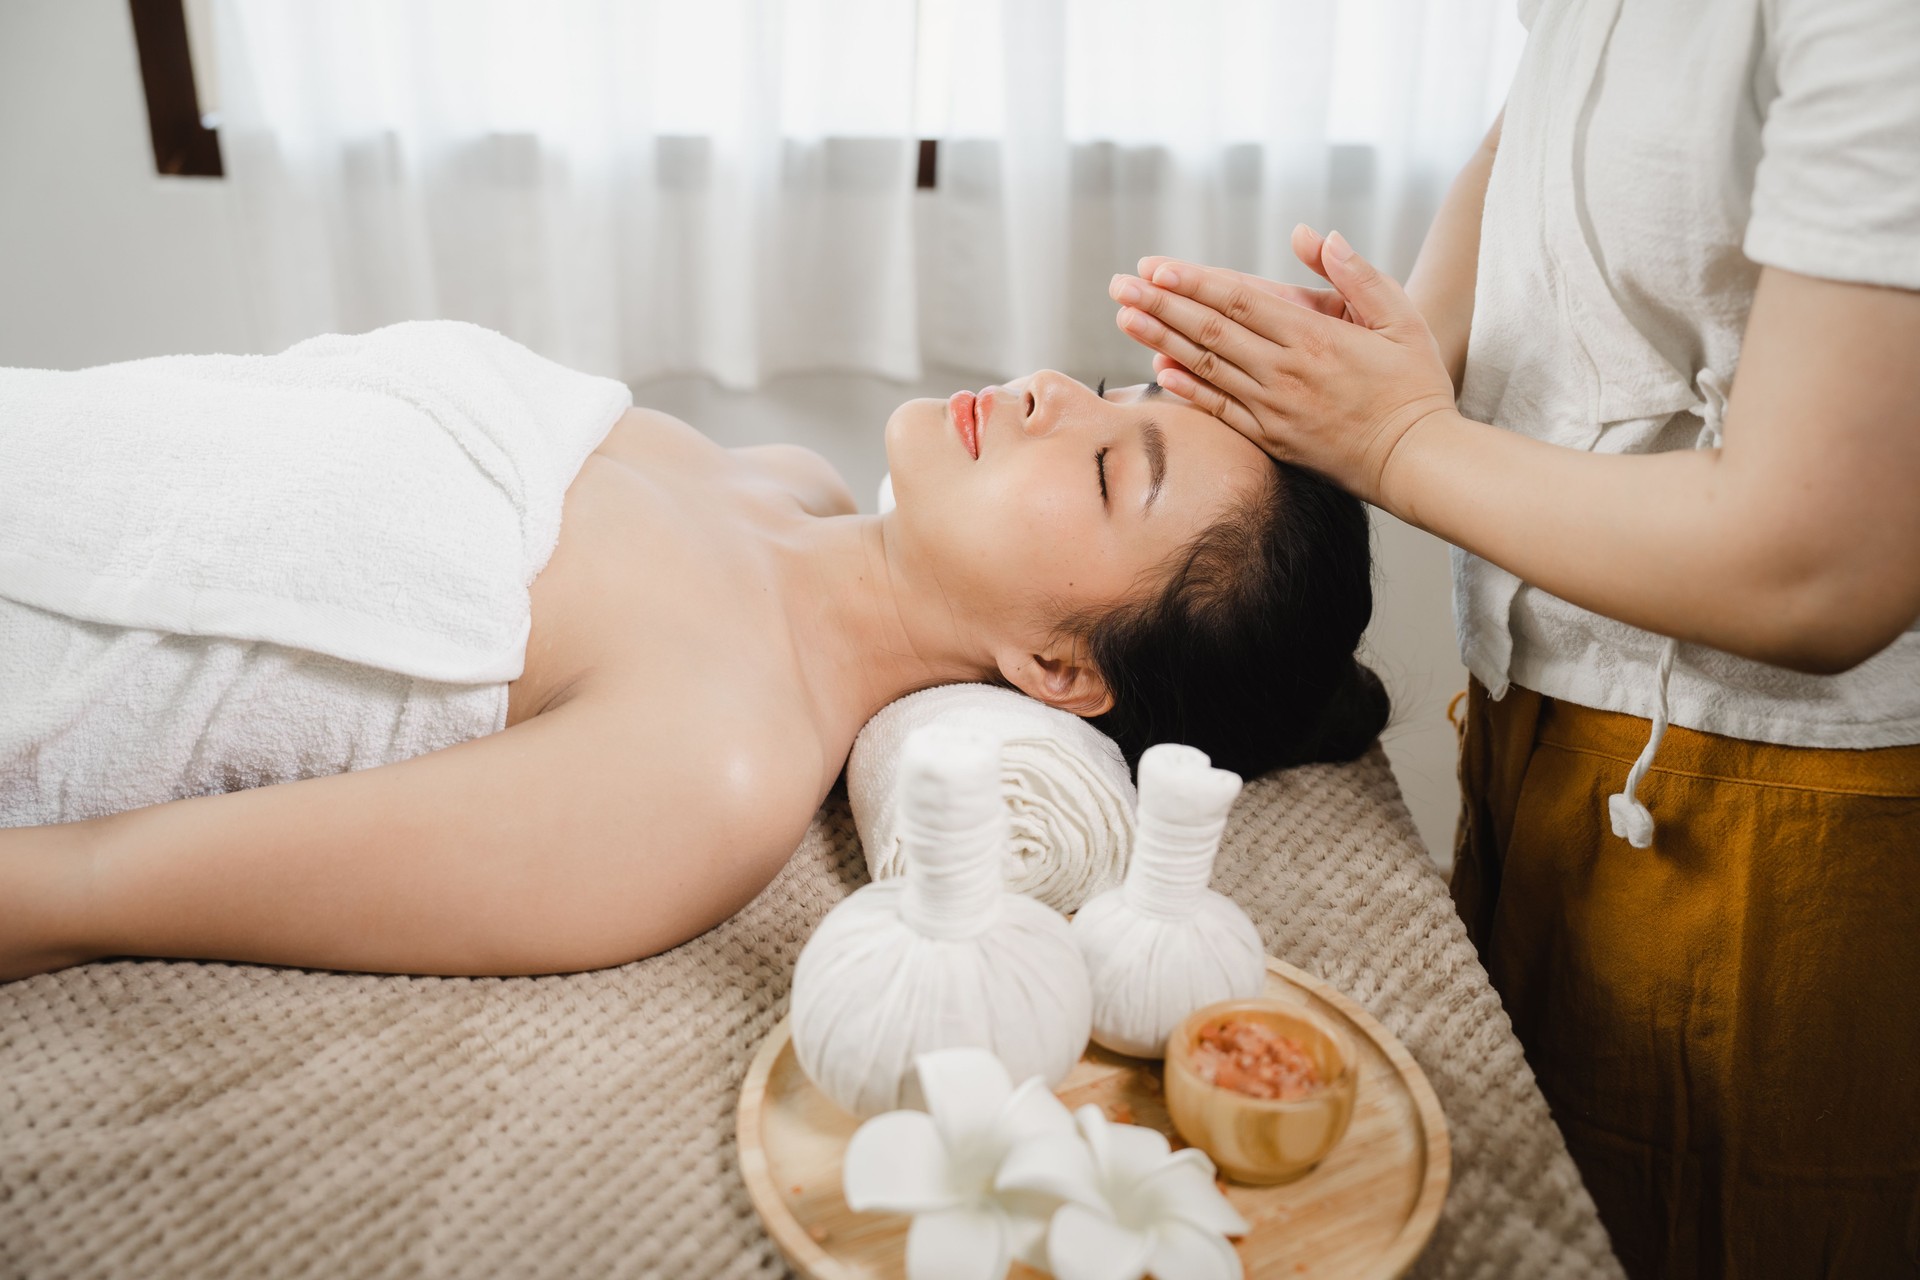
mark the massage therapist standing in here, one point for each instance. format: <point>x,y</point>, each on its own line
<point>1689,850</point>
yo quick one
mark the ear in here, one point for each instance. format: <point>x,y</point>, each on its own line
<point>1062,677</point>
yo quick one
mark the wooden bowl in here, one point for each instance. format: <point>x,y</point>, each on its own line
<point>1363,1213</point>
<point>1262,1140</point>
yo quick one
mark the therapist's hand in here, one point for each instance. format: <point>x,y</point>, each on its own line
<point>1307,246</point>
<point>1334,394</point>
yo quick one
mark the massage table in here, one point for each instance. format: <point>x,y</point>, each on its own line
<point>179,1119</point>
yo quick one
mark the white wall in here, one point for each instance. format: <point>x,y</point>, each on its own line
<point>102,260</point>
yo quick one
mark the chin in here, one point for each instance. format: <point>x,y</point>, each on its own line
<point>891,433</point>
<point>912,444</point>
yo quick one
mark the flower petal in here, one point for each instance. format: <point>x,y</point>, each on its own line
<point>1033,1110</point>
<point>1198,1159</point>
<point>1179,1191</point>
<point>1134,1150</point>
<point>1181,1252</point>
<point>1093,1126</point>
<point>965,1089</point>
<point>1084,1245</point>
<point>1028,1214</point>
<point>897,1163</point>
<point>1056,1165</point>
<point>958,1244</point>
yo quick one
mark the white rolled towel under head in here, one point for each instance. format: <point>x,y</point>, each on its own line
<point>1069,795</point>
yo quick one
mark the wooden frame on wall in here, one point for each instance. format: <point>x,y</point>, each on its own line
<point>182,145</point>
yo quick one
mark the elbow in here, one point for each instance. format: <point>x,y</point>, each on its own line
<point>1820,661</point>
<point>1830,623</point>
<point>1828,656</point>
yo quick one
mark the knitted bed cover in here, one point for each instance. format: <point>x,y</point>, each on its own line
<point>177,1119</point>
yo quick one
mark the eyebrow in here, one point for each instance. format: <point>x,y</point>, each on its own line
<point>1155,441</point>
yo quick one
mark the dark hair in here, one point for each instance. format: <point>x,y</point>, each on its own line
<point>1246,649</point>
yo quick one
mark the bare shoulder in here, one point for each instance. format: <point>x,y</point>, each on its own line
<point>809,476</point>
<point>641,432</point>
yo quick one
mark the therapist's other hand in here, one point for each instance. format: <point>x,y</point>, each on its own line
<point>1337,395</point>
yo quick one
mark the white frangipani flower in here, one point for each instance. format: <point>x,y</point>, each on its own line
<point>939,1166</point>
<point>1133,1204</point>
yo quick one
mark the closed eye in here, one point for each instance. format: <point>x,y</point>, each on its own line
<point>1100,464</point>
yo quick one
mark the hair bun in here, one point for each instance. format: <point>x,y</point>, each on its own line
<point>1352,718</point>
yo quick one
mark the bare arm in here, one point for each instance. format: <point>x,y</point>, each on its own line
<point>1441,283</point>
<point>572,841</point>
<point>43,878</point>
<point>1797,543</point>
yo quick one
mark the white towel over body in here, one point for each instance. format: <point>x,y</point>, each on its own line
<point>1070,798</point>
<point>221,571</point>
<point>97,719</point>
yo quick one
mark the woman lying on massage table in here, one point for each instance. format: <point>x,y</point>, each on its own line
<point>711,632</point>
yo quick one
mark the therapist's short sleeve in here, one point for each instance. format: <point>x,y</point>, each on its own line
<point>1837,191</point>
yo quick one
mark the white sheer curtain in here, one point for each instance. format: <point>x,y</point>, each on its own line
<point>1091,133</point>
<point>639,186</point>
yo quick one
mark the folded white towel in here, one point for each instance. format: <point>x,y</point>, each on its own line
<point>1067,788</point>
<point>383,498</point>
<point>97,719</point>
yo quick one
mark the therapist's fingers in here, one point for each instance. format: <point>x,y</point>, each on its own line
<point>1164,363</point>
<point>1307,246</point>
<point>1325,301</point>
<point>1154,261</point>
<point>1213,346</point>
<point>1203,362</point>
<point>1270,320</point>
<point>1202,394</point>
<point>1375,298</point>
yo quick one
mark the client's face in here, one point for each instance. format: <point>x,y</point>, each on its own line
<point>1038,500</point>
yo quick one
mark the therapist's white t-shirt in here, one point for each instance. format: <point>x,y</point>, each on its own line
<point>1655,154</point>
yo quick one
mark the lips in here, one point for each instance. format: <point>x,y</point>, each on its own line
<point>964,412</point>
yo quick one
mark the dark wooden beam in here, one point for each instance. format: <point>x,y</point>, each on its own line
<point>181,144</point>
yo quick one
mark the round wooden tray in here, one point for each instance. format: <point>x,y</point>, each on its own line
<point>1365,1211</point>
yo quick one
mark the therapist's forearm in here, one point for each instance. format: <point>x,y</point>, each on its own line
<point>1660,541</point>
<point>1791,544</point>
<point>1441,283</point>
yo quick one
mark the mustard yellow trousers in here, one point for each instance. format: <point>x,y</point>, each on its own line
<point>1727,1024</point>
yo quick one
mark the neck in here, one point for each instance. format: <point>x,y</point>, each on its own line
<point>862,636</point>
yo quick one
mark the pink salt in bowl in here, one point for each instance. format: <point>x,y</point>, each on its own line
<point>1262,1141</point>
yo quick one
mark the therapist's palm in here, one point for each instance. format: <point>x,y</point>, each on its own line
<point>1278,363</point>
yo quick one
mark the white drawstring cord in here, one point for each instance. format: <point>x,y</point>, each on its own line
<point>1633,821</point>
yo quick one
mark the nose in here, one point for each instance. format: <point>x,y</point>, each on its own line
<point>1046,397</point>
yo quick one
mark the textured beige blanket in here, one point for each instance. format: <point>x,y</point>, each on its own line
<point>162,1119</point>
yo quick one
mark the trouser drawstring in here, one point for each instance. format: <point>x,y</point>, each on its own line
<point>1632,821</point>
